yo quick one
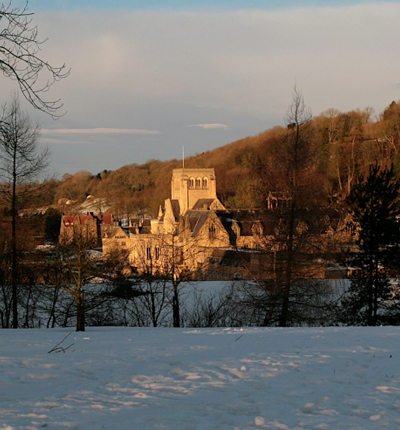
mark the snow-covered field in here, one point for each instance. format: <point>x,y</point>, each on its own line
<point>250,378</point>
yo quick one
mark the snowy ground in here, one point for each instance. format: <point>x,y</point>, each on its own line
<point>250,378</point>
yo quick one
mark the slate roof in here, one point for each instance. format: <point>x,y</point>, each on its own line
<point>176,209</point>
<point>247,219</point>
<point>203,204</point>
<point>146,227</point>
<point>196,220</point>
<point>230,257</point>
<point>317,220</point>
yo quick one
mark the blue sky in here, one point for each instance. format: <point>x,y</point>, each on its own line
<point>201,74</point>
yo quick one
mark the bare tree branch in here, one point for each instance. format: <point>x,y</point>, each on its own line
<point>21,60</point>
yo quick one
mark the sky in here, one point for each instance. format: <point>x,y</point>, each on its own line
<point>149,78</point>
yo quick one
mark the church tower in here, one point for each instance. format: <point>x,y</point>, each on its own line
<point>191,185</point>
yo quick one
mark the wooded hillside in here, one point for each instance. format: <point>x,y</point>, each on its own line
<point>344,145</point>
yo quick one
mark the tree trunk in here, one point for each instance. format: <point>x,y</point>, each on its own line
<point>175,307</point>
<point>283,319</point>
<point>80,312</point>
<point>14,270</point>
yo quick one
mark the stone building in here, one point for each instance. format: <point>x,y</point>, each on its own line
<point>155,245</point>
<point>89,227</point>
<point>195,236</point>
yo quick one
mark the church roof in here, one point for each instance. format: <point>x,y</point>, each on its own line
<point>203,204</point>
<point>175,208</point>
<point>247,219</point>
<point>196,220</point>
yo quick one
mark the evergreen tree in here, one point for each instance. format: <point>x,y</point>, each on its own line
<point>372,296</point>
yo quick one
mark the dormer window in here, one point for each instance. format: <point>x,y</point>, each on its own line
<point>235,229</point>
<point>257,229</point>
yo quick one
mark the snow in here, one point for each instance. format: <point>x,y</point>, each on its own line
<point>235,378</point>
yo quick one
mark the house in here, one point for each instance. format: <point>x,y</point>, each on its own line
<point>88,227</point>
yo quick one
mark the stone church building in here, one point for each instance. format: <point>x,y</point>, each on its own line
<point>196,237</point>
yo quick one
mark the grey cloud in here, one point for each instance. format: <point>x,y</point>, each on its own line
<point>154,72</point>
<point>94,131</point>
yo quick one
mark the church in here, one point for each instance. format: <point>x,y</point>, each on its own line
<point>195,237</point>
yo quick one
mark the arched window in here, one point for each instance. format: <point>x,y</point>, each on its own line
<point>198,182</point>
<point>211,232</point>
<point>257,229</point>
<point>191,182</point>
<point>205,182</point>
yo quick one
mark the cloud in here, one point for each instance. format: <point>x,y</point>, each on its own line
<point>140,71</point>
<point>245,60</point>
<point>98,131</point>
<point>209,126</point>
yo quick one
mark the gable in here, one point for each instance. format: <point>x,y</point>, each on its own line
<point>120,233</point>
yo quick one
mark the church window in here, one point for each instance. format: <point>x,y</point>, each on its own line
<point>198,182</point>
<point>211,232</point>
<point>191,182</point>
<point>205,183</point>
<point>257,230</point>
<point>157,252</point>
<point>148,253</point>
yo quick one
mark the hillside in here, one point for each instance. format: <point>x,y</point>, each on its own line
<point>135,187</point>
<point>342,146</point>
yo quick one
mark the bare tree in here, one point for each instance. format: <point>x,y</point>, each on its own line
<point>21,163</point>
<point>21,60</point>
<point>151,305</point>
<point>177,267</point>
<point>295,163</point>
<point>159,260</point>
<point>5,276</point>
<point>207,308</point>
<point>287,169</point>
<point>80,269</point>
